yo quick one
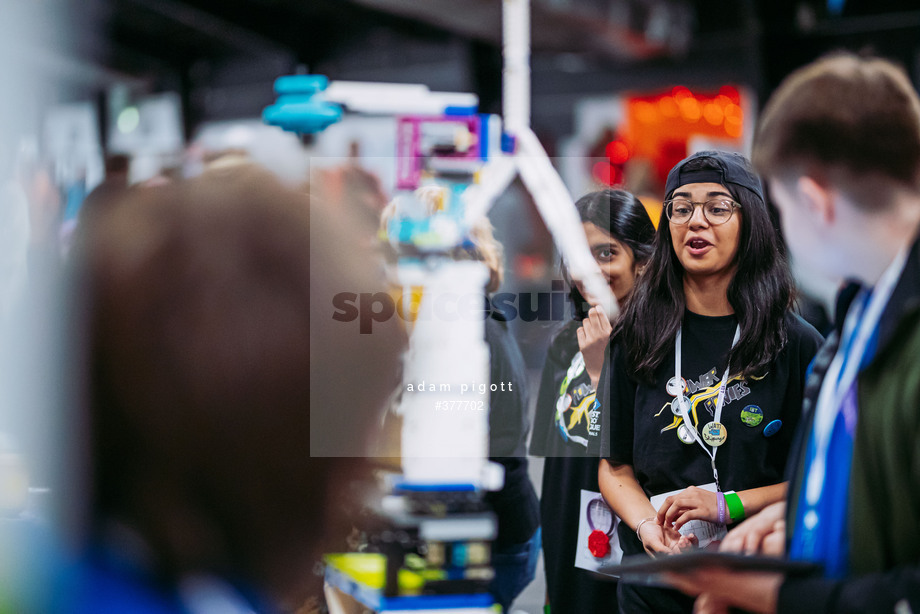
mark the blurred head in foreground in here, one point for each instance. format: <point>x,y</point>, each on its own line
<point>208,380</point>
<point>839,143</point>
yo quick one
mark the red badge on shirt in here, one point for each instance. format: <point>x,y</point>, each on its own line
<point>599,543</point>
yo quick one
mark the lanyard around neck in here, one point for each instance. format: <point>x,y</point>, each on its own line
<point>684,403</point>
<point>860,324</point>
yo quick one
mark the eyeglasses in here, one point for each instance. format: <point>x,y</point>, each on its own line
<point>716,211</point>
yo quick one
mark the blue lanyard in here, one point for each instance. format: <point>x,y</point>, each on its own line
<point>859,327</point>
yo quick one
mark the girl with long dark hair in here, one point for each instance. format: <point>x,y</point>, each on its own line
<point>620,236</point>
<point>706,373</point>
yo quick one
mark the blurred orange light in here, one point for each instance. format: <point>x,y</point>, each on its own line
<point>646,112</point>
<point>681,93</point>
<point>667,106</point>
<point>617,152</point>
<point>713,113</point>
<point>733,126</point>
<point>734,111</point>
<point>730,92</point>
<point>602,172</point>
<point>690,109</point>
<point>659,126</point>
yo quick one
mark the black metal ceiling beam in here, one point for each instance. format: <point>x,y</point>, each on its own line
<point>574,29</point>
<point>213,26</point>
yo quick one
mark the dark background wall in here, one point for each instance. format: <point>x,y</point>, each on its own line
<point>223,56</point>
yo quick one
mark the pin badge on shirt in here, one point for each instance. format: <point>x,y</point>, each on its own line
<point>714,434</point>
<point>676,404</point>
<point>684,434</point>
<point>751,415</point>
<point>675,386</point>
<point>771,429</point>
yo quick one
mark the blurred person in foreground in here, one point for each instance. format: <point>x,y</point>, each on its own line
<point>839,142</point>
<point>209,383</point>
<point>111,189</point>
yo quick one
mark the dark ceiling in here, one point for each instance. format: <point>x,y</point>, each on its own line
<point>222,55</point>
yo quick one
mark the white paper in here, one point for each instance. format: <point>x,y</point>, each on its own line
<point>706,532</point>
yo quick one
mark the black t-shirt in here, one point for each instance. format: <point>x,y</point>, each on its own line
<point>638,427</point>
<point>564,414</point>
<point>565,404</point>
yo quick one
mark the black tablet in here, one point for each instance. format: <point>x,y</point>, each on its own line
<point>642,568</point>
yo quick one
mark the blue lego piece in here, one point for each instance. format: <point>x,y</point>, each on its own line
<point>454,111</point>
<point>302,117</point>
<point>484,137</point>
<point>301,84</point>
<point>374,598</point>
<point>416,487</point>
<point>467,244</point>
<point>459,554</point>
<point>296,109</point>
<point>508,143</point>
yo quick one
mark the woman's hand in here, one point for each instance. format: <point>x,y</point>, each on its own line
<point>762,533</point>
<point>690,504</point>
<point>658,539</point>
<point>626,498</point>
<point>593,336</point>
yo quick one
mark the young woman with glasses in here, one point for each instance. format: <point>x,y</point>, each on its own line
<point>705,376</point>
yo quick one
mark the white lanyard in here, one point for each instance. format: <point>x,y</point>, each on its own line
<point>684,403</point>
<point>861,323</point>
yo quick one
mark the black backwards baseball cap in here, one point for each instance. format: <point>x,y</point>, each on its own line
<point>731,169</point>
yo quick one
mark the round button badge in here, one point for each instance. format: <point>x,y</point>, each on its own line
<point>675,386</point>
<point>676,404</point>
<point>773,428</point>
<point>751,415</point>
<point>684,434</point>
<point>562,404</point>
<point>714,434</point>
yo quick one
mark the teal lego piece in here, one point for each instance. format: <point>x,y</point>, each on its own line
<point>296,109</point>
<point>301,84</point>
<point>302,117</point>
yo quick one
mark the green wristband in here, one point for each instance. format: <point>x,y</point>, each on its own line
<point>735,507</point>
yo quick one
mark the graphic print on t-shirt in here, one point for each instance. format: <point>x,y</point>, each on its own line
<point>575,403</point>
<point>703,393</point>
